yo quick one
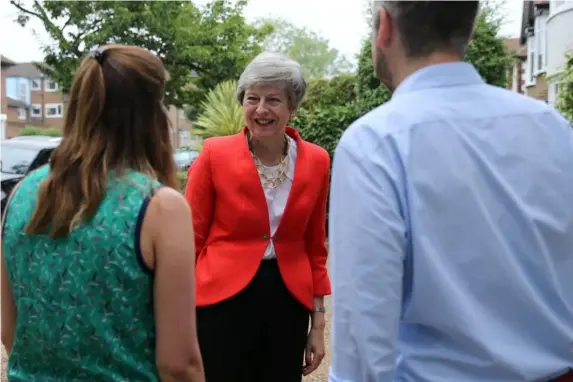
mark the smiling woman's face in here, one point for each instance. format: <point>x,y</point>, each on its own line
<point>266,109</point>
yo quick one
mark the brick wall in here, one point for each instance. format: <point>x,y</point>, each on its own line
<point>44,97</point>
<point>539,90</point>
<point>3,104</point>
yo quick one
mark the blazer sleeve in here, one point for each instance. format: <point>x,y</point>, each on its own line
<point>200,194</point>
<point>315,238</point>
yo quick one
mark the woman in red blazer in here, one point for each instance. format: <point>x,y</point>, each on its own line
<point>259,208</point>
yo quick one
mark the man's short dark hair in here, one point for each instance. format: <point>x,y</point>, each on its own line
<point>426,27</point>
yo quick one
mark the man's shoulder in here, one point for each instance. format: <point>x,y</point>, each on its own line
<point>369,131</point>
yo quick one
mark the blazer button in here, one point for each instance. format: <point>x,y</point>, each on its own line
<point>265,237</point>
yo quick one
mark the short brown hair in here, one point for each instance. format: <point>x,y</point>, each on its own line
<point>426,27</point>
<point>115,121</point>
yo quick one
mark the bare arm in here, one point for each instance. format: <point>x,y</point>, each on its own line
<point>177,350</point>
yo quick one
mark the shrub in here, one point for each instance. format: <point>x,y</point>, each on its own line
<point>221,114</point>
<point>339,90</point>
<point>33,130</point>
<point>182,177</point>
<point>565,95</point>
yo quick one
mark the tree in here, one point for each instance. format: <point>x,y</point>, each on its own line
<point>487,51</point>
<point>308,48</point>
<point>565,94</point>
<point>200,47</point>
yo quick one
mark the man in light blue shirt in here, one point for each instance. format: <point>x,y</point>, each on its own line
<point>451,218</point>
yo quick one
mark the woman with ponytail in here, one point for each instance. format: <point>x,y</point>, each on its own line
<point>98,264</point>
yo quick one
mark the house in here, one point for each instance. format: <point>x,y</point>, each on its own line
<point>534,36</point>
<point>181,129</point>
<point>5,63</point>
<point>560,42</point>
<point>517,73</point>
<point>34,99</point>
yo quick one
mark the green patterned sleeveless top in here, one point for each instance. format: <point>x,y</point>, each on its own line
<point>85,302</point>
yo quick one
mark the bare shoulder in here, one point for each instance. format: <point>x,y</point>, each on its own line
<point>168,200</point>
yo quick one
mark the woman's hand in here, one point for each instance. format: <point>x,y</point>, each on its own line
<point>314,352</point>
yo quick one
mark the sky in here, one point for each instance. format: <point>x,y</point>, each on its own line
<point>343,24</point>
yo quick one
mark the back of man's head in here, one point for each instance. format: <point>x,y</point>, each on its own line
<point>426,27</point>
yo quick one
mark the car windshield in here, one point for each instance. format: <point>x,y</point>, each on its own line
<point>17,160</point>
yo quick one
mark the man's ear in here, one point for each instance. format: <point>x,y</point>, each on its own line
<point>384,32</point>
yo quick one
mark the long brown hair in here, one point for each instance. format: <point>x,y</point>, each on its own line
<point>115,120</point>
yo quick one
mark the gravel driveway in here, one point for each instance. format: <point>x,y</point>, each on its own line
<point>320,375</point>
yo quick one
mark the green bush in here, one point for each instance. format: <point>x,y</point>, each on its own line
<point>340,90</point>
<point>33,130</point>
<point>221,114</point>
<point>565,95</point>
<point>182,177</point>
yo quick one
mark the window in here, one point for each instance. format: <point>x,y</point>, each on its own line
<point>21,113</point>
<point>17,160</point>
<point>54,110</point>
<point>530,62</point>
<point>51,86</point>
<point>182,114</point>
<point>540,43</point>
<point>23,96</point>
<point>36,84</point>
<point>36,111</point>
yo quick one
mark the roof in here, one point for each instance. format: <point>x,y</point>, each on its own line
<point>515,47</point>
<point>12,102</point>
<point>6,62</point>
<point>25,69</point>
<point>528,16</point>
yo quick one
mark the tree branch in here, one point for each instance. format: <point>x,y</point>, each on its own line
<point>41,14</point>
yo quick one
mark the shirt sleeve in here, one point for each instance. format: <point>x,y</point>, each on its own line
<point>367,236</point>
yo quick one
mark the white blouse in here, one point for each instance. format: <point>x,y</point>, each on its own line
<point>277,197</point>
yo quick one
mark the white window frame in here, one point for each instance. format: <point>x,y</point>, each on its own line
<point>23,92</point>
<point>182,114</point>
<point>530,62</point>
<point>56,106</point>
<point>47,86</point>
<point>21,113</point>
<point>36,88</point>
<point>39,107</point>
<point>540,44</point>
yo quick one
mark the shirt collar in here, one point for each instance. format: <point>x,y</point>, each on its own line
<point>440,76</point>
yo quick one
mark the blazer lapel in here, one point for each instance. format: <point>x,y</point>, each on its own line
<point>248,174</point>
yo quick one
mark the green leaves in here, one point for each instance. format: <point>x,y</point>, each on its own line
<point>200,47</point>
<point>309,49</point>
<point>221,113</point>
<point>565,93</point>
<point>486,51</point>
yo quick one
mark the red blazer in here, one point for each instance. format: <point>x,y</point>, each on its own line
<point>231,221</point>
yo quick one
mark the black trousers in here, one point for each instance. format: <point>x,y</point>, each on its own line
<point>257,335</point>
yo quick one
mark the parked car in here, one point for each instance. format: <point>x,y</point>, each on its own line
<point>19,156</point>
<point>184,158</point>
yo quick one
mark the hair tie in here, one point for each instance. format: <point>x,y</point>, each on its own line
<point>97,54</point>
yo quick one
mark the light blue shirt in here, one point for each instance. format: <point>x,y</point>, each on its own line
<point>451,236</point>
